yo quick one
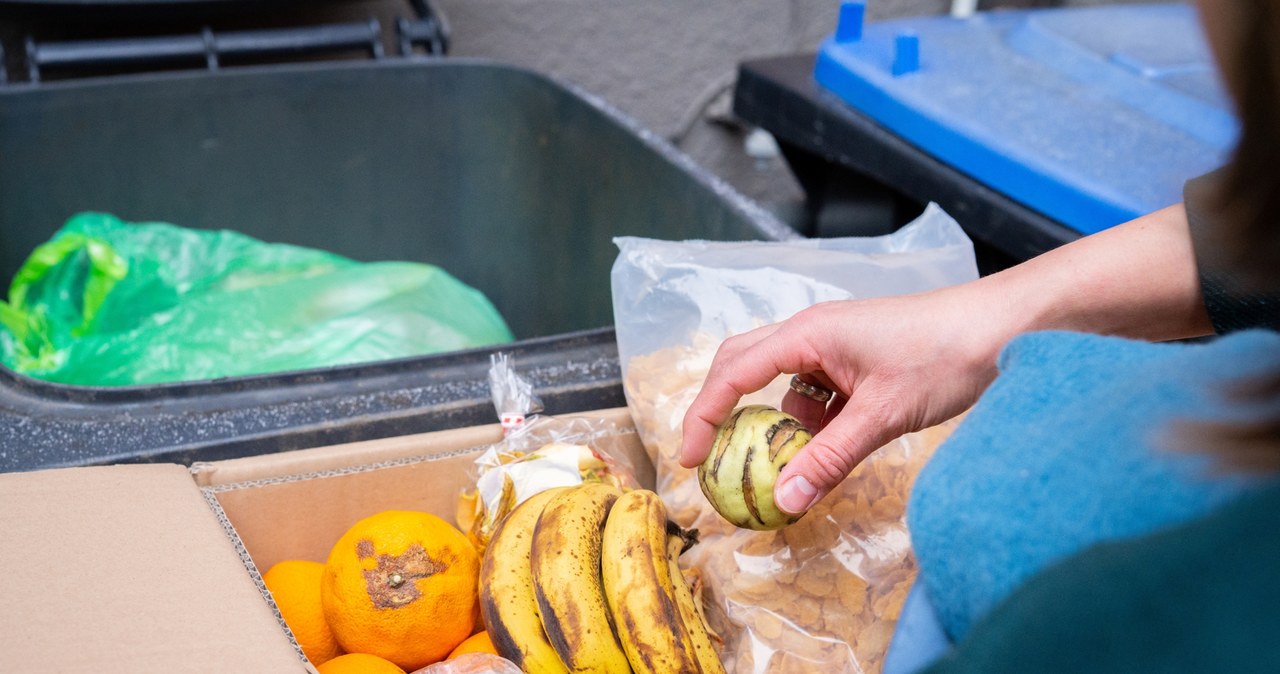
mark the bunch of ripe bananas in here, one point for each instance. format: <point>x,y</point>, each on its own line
<point>585,579</point>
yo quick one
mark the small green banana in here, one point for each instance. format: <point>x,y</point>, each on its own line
<point>748,453</point>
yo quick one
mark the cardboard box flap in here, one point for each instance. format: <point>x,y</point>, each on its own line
<point>127,568</point>
<point>344,456</point>
<point>368,453</point>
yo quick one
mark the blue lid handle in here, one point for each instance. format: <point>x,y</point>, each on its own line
<point>906,53</point>
<point>849,24</point>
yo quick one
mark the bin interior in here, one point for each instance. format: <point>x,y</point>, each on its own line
<point>507,179</point>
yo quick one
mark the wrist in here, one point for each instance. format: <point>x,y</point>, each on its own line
<point>993,310</point>
<point>1136,280</point>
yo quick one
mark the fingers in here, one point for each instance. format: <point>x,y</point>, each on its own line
<point>713,404</point>
<point>845,441</point>
<point>733,374</point>
<point>833,410</point>
<point>806,410</point>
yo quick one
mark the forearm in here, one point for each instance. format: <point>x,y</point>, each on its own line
<point>906,362</point>
<point>1138,279</point>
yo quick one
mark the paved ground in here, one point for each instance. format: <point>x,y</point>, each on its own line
<point>661,61</point>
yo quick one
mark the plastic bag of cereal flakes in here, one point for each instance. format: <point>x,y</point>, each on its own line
<point>822,594</point>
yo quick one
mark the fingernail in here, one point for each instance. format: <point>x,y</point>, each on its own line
<point>797,495</point>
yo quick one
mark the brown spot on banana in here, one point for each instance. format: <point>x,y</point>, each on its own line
<point>721,443</point>
<point>565,568</point>
<point>780,434</point>
<point>688,603</point>
<point>507,602</point>
<point>746,457</point>
<point>748,487</point>
<point>638,587</point>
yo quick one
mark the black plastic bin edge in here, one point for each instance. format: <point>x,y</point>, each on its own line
<point>40,427</point>
<point>46,425</point>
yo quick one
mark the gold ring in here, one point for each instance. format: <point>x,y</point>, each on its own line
<point>810,391</point>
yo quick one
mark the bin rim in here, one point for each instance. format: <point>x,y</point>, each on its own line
<point>22,385</point>
<point>571,372</point>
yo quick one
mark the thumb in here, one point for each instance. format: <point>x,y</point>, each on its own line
<point>825,462</point>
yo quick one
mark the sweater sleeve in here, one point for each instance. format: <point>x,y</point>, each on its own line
<point>1199,597</point>
<point>1230,305</point>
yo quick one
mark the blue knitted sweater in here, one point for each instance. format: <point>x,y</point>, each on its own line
<point>1069,448</point>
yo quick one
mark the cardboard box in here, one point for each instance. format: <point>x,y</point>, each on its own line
<point>156,567</point>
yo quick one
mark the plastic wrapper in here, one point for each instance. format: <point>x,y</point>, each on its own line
<point>108,303</point>
<point>472,663</point>
<point>537,453</point>
<point>824,593</point>
<point>513,395</point>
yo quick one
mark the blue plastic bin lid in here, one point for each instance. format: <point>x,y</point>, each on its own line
<point>1090,115</point>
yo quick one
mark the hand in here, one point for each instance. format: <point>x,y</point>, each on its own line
<point>896,365</point>
<point>901,364</point>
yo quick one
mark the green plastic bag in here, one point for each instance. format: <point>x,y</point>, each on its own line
<point>108,303</point>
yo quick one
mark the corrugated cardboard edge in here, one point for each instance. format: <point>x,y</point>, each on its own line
<point>326,455</point>
<point>212,501</point>
<point>337,458</point>
<point>213,489</point>
<point>379,453</point>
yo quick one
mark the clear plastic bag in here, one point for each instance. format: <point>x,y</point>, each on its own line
<point>472,663</point>
<point>536,453</point>
<point>822,594</point>
<point>513,395</point>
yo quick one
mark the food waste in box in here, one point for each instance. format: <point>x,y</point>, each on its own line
<point>157,567</point>
<point>153,558</point>
<point>511,181</point>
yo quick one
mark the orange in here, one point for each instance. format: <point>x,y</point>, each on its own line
<point>476,643</point>
<point>359,663</point>
<point>295,586</point>
<point>401,585</point>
